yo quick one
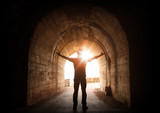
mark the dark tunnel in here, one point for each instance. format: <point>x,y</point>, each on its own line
<point>37,31</point>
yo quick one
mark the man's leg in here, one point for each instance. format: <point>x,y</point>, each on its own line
<point>75,94</point>
<point>84,94</point>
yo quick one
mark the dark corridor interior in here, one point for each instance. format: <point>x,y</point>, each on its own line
<point>22,17</point>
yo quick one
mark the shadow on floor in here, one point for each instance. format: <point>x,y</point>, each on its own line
<point>62,103</point>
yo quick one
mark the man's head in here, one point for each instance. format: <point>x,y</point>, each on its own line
<point>79,52</point>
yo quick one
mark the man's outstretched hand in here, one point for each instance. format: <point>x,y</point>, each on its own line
<point>58,53</point>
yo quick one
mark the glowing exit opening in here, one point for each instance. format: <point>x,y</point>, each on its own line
<point>92,69</point>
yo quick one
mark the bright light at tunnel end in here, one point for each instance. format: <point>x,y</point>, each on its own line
<point>92,68</point>
<point>86,54</point>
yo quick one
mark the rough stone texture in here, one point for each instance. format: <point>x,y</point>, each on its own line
<point>67,29</point>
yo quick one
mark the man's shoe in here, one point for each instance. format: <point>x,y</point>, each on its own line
<point>84,108</point>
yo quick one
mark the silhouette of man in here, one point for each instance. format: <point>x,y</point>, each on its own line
<point>80,77</point>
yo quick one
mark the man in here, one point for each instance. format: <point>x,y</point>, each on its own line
<point>80,77</point>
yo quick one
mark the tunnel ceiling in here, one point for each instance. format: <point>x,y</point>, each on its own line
<point>78,22</point>
<point>72,27</point>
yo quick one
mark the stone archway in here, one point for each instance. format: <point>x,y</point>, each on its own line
<point>66,29</point>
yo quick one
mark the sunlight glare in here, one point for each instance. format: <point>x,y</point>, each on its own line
<point>92,68</point>
<point>86,55</point>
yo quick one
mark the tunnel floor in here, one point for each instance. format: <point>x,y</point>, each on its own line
<point>62,103</point>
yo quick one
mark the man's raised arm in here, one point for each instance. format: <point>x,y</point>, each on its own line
<point>95,57</point>
<point>67,58</point>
